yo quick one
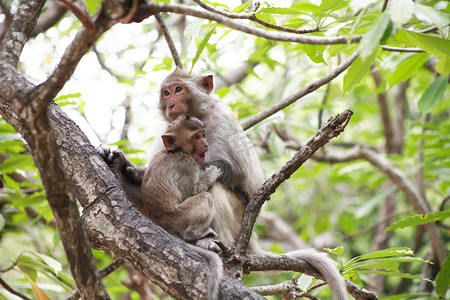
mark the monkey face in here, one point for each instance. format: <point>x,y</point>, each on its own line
<point>174,98</point>
<point>199,146</point>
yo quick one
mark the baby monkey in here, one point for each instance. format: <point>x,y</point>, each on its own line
<point>175,188</point>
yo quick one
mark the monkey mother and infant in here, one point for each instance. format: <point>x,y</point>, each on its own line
<point>197,196</point>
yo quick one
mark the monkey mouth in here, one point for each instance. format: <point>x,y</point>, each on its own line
<point>202,155</point>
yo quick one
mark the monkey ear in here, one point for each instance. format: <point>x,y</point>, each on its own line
<point>208,83</point>
<point>169,142</point>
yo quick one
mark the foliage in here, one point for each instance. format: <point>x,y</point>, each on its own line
<point>325,204</point>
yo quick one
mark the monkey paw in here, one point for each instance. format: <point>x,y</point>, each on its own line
<point>213,173</point>
<point>208,244</point>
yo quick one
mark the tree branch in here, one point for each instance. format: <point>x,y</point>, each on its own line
<point>20,29</point>
<point>254,263</point>
<point>114,224</point>
<point>331,129</point>
<point>117,263</point>
<point>170,43</point>
<point>253,17</point>
<point>306,90</point>
<point>7,21</point>
<point>413,196</point>
<point>46,91</point>
<point>266,34</point>
<point>52,12</point>
<point>87,23</point>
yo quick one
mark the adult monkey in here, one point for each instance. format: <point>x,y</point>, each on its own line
<point>230,151</point>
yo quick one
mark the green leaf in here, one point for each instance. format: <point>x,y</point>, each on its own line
<point>93,5</point>
<point>20,161</point>
<point>2,222</point>
<point>433,94</point>
<point>27,266</point>
<point>387,253</point>
<point>304,282</point>
<point>394,274</point>
<point>432,15</point>
<point>400,11</point>
<point>332,5</point>
<point>443,65</point>
<point>372,37</point>
<point>315,52</point>
<point>53,265</point>
<point>336,251</point>
<point>357,71</point>
<point>443,279</point>
<point>407,68</point>
<point>386,265</point>
<point>268,18</point>
<point>242,7</point>
<point>419,220</point>
<point>429,43</point>
<point>202,46</point>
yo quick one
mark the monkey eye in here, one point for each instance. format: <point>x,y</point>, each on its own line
<point>197,136</point>
<point>166,93</point>
<point>178,89</point>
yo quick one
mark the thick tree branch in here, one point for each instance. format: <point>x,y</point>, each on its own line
<point>306,90</point>
<point>20,29</point>
<point>329,130</point>
<point>37,133</point>
<point>114,224</point>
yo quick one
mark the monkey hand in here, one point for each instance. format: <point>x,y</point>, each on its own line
<point>212,173</point>
<point>207,178</point>
<point>208,244</point>
<point>119,164</point>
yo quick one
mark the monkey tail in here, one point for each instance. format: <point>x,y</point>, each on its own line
<point>327,267</point>
<point>215,271</point>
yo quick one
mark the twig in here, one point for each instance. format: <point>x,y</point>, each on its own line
<point>331,129</point>
<point>306,90</point>
<point>129,16</point>
<point>253,17</point>
<point>398,49</point>
<point>11,290</point>
<point>87,23</point>
<point>266,34</point>
<point>170,43</point>
<point>385,4</point>
<point>117,263</point>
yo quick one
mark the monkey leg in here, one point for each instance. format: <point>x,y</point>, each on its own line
<point>196,212</point>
